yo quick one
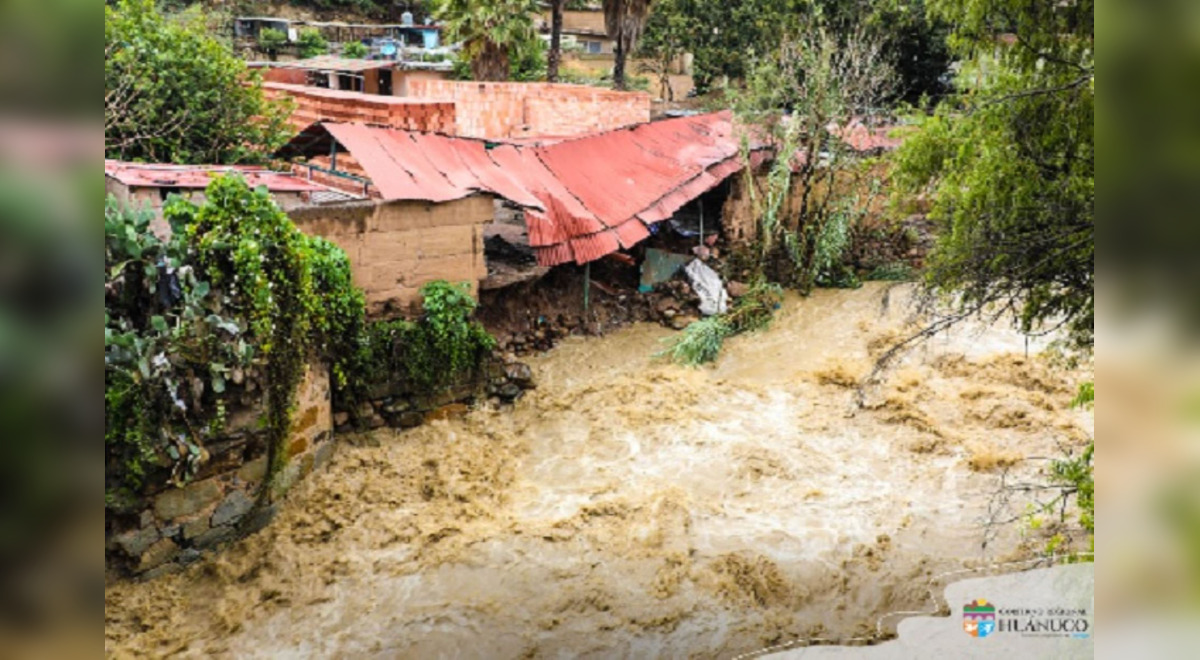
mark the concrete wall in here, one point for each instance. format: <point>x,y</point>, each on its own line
<point>396,247</point>
<point>501,110</point>
<point>225,499</point>
<point>401,77</point>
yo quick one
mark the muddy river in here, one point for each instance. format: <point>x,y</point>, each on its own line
<point>630,508</point>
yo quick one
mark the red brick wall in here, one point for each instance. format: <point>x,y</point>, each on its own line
<point>316,103</point>
<point>504,110</point>
<point>284,75</point>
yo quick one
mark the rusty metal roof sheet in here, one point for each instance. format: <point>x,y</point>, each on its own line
<point>334,63</point>
<point>583,197</point>
<point>160,175</point>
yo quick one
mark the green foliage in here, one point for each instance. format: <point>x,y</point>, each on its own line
<point>310,43</point>
<point>528,60</point>
<point>727,38</point>
<point>892,272</point>
<point>431,353</point>
<point>489,31</point>
<point>624,21</point>
<point>271,41</point>
<point>1010,165</point>
<point>355,50</point>
<point>172,93</point>
<point>168,348</point>
<point>800,98</point>
<point>1074,479</point>
<point>1077,479</point>
<point>1086,397</point>
<point>236,294</point>
<point>701,341</point>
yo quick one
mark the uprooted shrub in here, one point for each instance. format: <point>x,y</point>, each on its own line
<point>701,341</point>
<point>235,294</point>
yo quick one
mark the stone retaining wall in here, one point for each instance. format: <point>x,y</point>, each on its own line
<point>226,499</point>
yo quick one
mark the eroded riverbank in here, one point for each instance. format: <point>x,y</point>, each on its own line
<point>633,508</point>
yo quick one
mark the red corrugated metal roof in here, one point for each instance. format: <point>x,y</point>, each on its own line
<point>584,197</point>
<point>158,175</point>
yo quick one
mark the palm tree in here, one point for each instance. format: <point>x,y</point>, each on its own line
<point>624,20</point>
<point>556,24</point>
<point>486,29</point>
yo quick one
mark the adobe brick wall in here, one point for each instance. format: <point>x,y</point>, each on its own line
<point>511,110</point>
<point>317,103</point>
<point>396,247</point>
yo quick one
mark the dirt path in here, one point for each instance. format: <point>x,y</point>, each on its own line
<point>629,508</point>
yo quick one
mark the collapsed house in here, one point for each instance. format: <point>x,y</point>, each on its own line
<point>581,198</point>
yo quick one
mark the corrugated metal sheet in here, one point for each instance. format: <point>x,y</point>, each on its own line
<point>584,197</point>
<point>334,63</point>
<point>157,175</point>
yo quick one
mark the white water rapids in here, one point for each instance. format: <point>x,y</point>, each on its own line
<point>631,508</point>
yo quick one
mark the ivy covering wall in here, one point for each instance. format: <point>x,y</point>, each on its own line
<point>238,300</point>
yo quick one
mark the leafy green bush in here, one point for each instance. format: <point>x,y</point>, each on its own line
<point>434,351</point>
<point>236,294</point>
<point>173,93</point>
<point>355,50</point>
<point>270,41</point>
<point>311,44</point>
<point>897,271</point>
<point>526,61</point>
<point>1072,478</point>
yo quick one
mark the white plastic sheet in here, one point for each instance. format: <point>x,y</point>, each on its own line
<point>707,284</point>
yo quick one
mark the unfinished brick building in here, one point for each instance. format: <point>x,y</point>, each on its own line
<point>422,101</point>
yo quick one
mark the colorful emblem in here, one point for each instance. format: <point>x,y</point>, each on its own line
<point>979,618</point>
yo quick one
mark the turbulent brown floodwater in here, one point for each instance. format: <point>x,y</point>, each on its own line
<point>631,508</point>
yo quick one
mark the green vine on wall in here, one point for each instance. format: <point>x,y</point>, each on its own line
<point>236,293</point>
<point>433,352</point>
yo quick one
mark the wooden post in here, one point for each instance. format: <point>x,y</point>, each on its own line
<point>587,288</point>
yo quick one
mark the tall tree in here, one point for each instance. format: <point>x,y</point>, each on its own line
<point>726,38</point>
<point>806,97</point>
<point>1010,164</point>
<point>556,25</point>
<point>172,93</point>
<point>624,20</point>
<point>487,29</point>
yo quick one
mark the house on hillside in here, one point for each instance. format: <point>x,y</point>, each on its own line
<point>588,52</point>
<point>580,198</point>
<point>381,77</point>
<point>583,28</point>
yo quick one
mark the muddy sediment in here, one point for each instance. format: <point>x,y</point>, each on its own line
<point>633,508</point>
